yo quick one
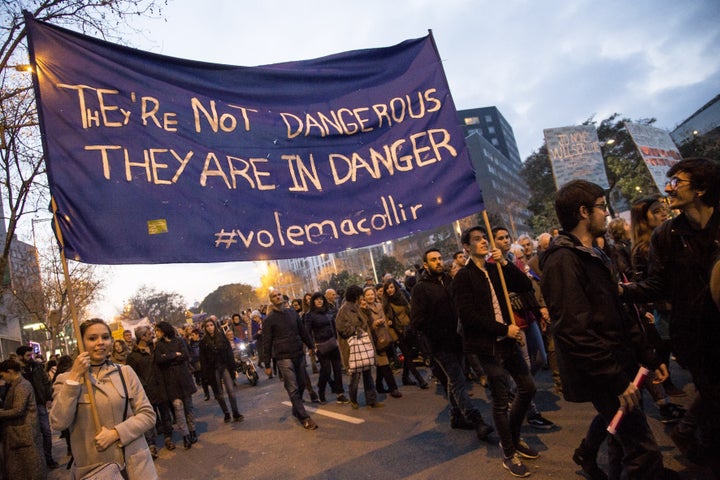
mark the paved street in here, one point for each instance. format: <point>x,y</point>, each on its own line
<point>408,439</point>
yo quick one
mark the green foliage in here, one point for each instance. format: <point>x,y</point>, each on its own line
<point>625,169</point>
<point>340,281</point>
<point>389,265</point>
<point>537,173</point>
<point>229,299</point>
<point>707,146</point>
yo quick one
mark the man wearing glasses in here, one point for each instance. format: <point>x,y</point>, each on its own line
<point>599,347</point>
<point>682,253</point>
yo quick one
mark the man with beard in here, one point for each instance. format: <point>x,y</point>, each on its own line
<point>432,313</point>
<point>599,347</point>
<point>35,374</point>
<point>682,254</point>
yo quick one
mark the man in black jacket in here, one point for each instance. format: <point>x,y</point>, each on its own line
<point>599,347</point>
<point>283,338</point>
<point>488,331</point>
<point>432,313</point>
<point>682,253</point>
<point>35,374</point>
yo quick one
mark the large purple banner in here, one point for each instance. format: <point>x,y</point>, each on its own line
<point>153,159</point>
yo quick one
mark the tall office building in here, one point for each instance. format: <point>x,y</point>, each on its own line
<point>496,160</point>
<point>706,121</point>
<point>494,153</point>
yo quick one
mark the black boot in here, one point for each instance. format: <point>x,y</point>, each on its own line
<point>186,442</point>
<point>587,459</point>
<point>458,421</point>
<point>193,436</point>
<point>482,429</point>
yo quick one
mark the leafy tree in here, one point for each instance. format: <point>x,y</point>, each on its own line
<point>157,306</point>
<point>625,169</point>
<point>707,146</point>
<point>391,265</point>
<point>537,173</point>
<point>340,281</point>
<point>229,299</point>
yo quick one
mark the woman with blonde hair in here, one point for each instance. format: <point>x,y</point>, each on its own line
<point>377,321</point>
<point>120,351</point>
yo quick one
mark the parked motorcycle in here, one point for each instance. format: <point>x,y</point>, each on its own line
<point>244,363</point>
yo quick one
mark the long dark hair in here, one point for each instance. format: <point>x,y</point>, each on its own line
<point>397,298</point>
<point>640,229</point>
<point>167,330</point>
<point>324,306</point>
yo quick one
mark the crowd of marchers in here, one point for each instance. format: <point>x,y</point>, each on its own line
<point>593,301</point>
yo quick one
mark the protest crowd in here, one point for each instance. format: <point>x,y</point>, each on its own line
<point>592,302</point>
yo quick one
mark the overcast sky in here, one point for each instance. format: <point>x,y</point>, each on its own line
<point>543,64</point>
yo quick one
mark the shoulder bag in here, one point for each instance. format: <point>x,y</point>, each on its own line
<point>328,346</point>
<point>383,337</point>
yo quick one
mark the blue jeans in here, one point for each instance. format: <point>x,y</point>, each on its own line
<point>451,365</point>
<point>223,379</point>
<point>508,361</point>
<point>534,349</point>
<point>292,371</point>
<point>44,420</point>
<point>368,386</point>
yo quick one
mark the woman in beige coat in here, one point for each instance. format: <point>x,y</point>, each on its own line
<point>374,310</point>
<point>71,409</point>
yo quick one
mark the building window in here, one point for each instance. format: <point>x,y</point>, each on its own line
<point>488,118</point>
<point>491,129</point>
<point>494,141</point>
<point>472,121</point>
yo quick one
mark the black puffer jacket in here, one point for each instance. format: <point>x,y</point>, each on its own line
<point>284,335</point>
<point>599,347</point>
<point>681,259</point>
<point>432,312</point>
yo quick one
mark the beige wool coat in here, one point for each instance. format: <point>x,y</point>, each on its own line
<point>71,410</point>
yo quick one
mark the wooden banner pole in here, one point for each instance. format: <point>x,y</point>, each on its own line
<point>73,313</point>
<point>491,239</point>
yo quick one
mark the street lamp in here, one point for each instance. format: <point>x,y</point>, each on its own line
<point>22,67</point>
